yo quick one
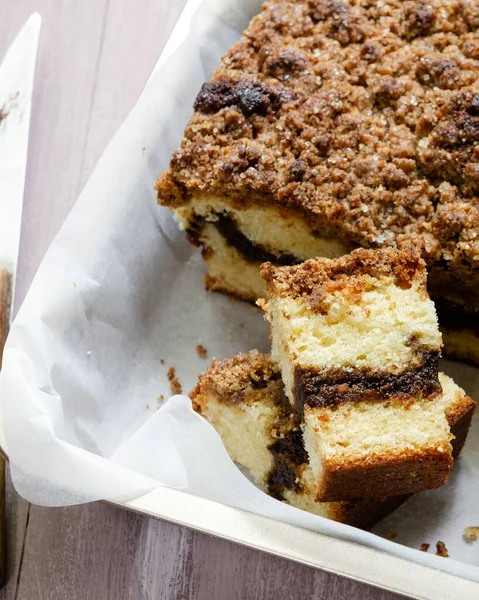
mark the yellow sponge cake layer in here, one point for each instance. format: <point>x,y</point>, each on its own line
<point>264,229</point>
<point>363,320</point>
<point>228,272</point>
<point>377,450</point>
<point>245,390</point>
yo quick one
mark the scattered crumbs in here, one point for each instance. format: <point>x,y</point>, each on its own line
<point>441,549</point>
<point>232,299</point>
<point>162,362</point>
<point>74,284</point>
<point>3,114</point>
<point>175,385</point>
<point>391,534</point>
<point>424,547</point>
<point>470,534</point>
<point>143,149</point>
<point>160,399</point>
<point>201,350</point>
<point>147,407</point>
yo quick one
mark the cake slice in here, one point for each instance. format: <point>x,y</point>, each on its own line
<point>243,398</point>
<point>332,125</point>
<point>357,342</point>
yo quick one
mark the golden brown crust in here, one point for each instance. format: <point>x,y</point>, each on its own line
<point>396,475</point>
<point>461,408</point>
<point>317,278</point>
<point>459,417</point>
<point>362,116</point>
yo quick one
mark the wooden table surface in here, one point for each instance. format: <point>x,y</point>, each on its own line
<point>94,58</point>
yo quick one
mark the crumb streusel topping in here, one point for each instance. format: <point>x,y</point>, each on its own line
<point>362,115</point>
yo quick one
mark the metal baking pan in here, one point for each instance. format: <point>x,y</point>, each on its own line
<point>338,556</point>
<point>341,557</point>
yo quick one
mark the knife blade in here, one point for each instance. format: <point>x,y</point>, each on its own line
<point>16,86</point>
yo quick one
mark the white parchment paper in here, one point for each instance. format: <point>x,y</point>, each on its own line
<point>119,299</point>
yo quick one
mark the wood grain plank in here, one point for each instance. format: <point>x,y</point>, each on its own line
<point>134,36</point>
<point>16,510</point>
<point>16,519</point>
<point>100,551</point>
<point>57,125</point>
<point>94,59</point>
<point>68,57</point>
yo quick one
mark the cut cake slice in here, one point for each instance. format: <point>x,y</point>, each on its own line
<point>243,398</point>
<point>357,342</point>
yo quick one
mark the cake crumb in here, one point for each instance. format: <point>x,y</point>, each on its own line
<point>391,534</point>
<point>160,399</point>
<point>175,385</point>
<point>424,547</point>
<point>143,149</point>
<point>470,534</point>
<point>201,350</point>
<point>74,284</point>
<point>441,549</point>
<point>162,362</point>
<point>147,407</point>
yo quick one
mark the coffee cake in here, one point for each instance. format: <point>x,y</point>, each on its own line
<point>335,124</point>
<point>243,398</point>
<point>357,342</point>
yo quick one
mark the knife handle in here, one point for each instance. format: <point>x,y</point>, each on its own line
<point>5,304</point>
<point>5,299</point>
